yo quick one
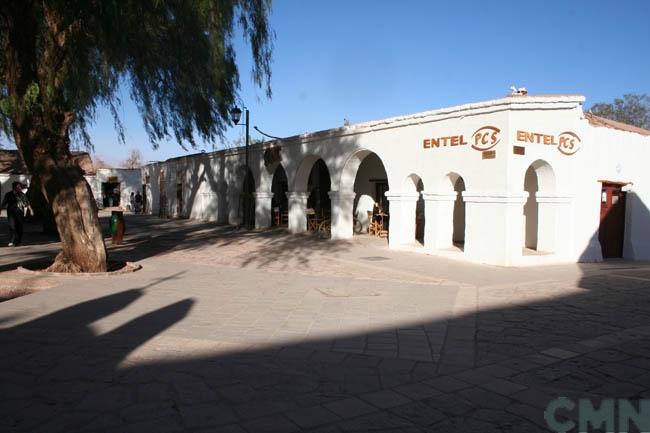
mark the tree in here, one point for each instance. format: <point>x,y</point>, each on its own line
<point>98,163</point>
<point>134,160</point>
<point>62,59</point>
<point>633,109</point>
<point>241,142</point>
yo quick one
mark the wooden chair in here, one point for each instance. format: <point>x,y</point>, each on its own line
<point>276,216</point>
<point>312,220</point>
<point>373,226</point>
<point>382,231</point>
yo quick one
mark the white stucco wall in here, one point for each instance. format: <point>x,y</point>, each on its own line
<point>567,203</point>
<point>130,181</point>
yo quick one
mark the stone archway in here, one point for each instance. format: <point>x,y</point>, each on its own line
<point>311,188</point>
<point>370,184</point>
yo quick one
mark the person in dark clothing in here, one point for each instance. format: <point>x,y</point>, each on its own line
<point>138,202</point>
<point>17,206</point>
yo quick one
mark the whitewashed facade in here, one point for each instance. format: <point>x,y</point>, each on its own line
<point>511,181</point>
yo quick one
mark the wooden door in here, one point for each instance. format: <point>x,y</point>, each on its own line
<point>612,220</point>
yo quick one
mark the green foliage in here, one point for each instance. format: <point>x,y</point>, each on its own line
<point>31,97</point>
<point>176,57</point>
<point>633,109</point>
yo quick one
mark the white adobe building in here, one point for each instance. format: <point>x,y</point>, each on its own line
<point>118,182</point>
<point>106,181</point>
<point>513,181</point>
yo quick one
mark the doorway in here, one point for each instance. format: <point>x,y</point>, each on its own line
<point>111,193</point>
<point>419,214</point>
<point>144,198</point>
<point>162,196</point>
<point>279,202</point>
<point>458,235</point>
<point>179,200</point>
<point>612,219</point>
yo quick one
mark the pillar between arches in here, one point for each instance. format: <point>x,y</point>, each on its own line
<point>297,214</point>
<point>439,217</point>
<point>554,233</point>
<point>263,217</point>
<point>402,217</point>
<point>234,211</point>
<point>342,213</point>
<point>493,224</point>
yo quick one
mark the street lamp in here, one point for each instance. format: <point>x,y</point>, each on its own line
<point>235,113</point>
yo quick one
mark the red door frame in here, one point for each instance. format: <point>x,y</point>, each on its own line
<point>611,232</point>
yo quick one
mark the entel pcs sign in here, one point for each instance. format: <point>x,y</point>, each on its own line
<point>484,138</point>
<point>513,181</point>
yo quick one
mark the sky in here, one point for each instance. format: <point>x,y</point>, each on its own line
<point>363,60</point>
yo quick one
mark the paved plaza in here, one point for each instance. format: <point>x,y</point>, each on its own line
<point>233,331</point>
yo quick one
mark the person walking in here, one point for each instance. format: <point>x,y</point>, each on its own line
<point>138,202</point>
<point>17,205</point>
<point>132,202</point>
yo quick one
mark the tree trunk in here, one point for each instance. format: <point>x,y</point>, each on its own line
<point>42,210</point>
<point>62,183</point>
<point>75,213</point>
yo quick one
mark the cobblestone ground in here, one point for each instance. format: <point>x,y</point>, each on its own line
<point>227,331</point>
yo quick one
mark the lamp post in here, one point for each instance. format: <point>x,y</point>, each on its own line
<point>236,117</point>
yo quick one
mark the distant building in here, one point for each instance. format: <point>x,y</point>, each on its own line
<point>110,186</point>
<point>513,181</point>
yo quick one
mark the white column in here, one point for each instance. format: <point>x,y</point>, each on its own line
<point>297,215</point>
<point>402,217</point>
<point>263,214</point>
<point>493,227</point>
<point>342,208</point>
<point>439,220</point>
<point>554,233</point>
<point>234,211</point>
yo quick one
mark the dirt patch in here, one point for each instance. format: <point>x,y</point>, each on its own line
<point>15,287</point>
<point>7,294</point>
<point>115,267</point>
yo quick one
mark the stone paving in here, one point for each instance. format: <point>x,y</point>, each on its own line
<point>227,331</point>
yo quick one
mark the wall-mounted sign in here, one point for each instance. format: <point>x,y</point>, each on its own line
<point>484,138</point>
<point>567,142</point>
<point>451,140</point>
<point>488,154</point>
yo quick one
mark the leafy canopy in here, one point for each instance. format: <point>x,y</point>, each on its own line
<point>633,109</point>
<point>175,56</point>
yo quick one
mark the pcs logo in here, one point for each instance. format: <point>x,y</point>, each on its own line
<point>485,138</point>
<point>569,143</point>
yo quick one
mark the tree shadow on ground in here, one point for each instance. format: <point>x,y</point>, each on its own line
<point>149,236</point>
<point>494,371</point>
